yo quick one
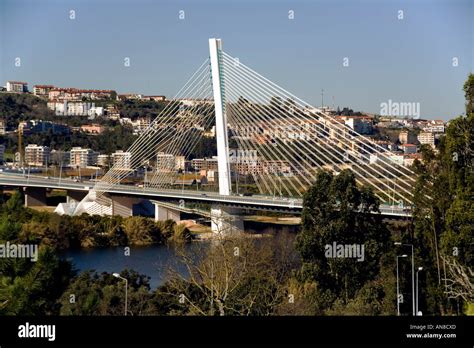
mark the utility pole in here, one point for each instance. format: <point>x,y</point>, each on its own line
<point>322,98</point>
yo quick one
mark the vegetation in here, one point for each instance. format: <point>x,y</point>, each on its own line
<point>271,276</point>
<point>61,232</point>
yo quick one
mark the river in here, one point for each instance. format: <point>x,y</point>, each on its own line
<point>154,260</point>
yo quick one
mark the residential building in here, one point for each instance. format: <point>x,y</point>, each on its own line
<point>39,127</point>
<point>17,86</point>
<point>42,90</point>
<point>359,124</point>
<point>434,126</point>
<point>426,138</point>
<point>180,163</point>
<point>165,162</point>
<point>36,155</point>
<point>82,158</point>
<point>102,160</point>
<point>408,148</point>
<point>122,160</point>
<point>3,128</point>
<point>154,97</point>
<point>406,137</point>
<point>204,164</point>
<point>169,163</point>
<point>74,94</point>
<point>129,96</point>
<point>92,128</point>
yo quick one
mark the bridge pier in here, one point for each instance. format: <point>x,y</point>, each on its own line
<point>75,196</point>
<point>35,196</point>
<point>163,213</point>
<point>123,206</point>
<point>225,220</point>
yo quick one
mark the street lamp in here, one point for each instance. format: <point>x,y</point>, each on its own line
<point>116,275</point>
<point>412,275</point>
<point>398,287</point>
<point>418,270</point>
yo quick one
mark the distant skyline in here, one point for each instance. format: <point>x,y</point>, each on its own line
<point>424,57</point>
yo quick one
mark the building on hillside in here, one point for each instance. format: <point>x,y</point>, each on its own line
<point>42,127</point>
<point>74,94</point>
<point>359,124</point>
<point>17,86</point>
<point>406,137</point>
<point>42,90</point>
<point>426,138</point>
<point>408,148</point>
<point>154,97</point>
<point>92,128</point>
<point>128,96</point>
<point>36,155</point>
<point>81,158</point>
<point>435,126</point>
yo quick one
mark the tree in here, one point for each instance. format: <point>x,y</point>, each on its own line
<point>236,276</point>
<point>94,294</point>
<point>335,210</point>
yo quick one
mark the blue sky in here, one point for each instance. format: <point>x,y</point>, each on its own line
<point>408,60</point>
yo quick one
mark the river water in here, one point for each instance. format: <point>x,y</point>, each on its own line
<point>154,261</point>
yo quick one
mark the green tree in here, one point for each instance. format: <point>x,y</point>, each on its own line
<point>336,210</point>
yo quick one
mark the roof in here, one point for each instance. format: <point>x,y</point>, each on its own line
<point>19,82</point>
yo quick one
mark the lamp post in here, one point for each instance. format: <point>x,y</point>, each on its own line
<point>398,288</point>
<point>412,275</point>
<point>418,270</point>
<point>116,275</point>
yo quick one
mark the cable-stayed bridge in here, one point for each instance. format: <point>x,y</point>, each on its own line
<point>262,132</point>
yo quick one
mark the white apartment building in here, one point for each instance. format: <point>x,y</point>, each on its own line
<point>36,155</point>
<point>17,86</point>
<point>426,138</point>
<point>167,162</point>
<point>122,160</point>
<point>82,158</point>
